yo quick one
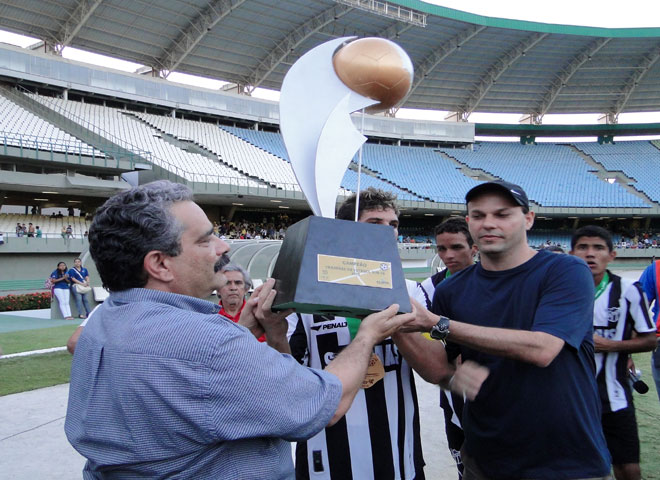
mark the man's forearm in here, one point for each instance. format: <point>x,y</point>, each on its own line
<point>427,357</point>
<point>350,366</point>
<point>277,340</point>
<point>641,343</point>
<point>537,348</point>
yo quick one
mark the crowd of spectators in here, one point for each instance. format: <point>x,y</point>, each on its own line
<point>642,240</point>
<point>272,228</point>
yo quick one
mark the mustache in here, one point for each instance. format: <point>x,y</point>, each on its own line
<point>221,263</point>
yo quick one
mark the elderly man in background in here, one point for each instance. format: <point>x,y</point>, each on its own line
<point>232,294</point>
<point>162,386</point>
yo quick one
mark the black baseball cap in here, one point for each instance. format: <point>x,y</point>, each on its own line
<point>515,191</point>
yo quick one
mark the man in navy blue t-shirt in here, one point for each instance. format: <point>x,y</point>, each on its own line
<point>527,317</point>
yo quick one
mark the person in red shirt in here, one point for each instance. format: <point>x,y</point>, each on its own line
<point>232,294</point>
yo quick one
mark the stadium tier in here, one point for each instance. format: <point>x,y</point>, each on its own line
<point>133,134</point>
<point>50,226</point>
<point>552,175</point>
<point>420,170</point>
<point>273,143</point>
<point>20,128</point>
<point>232,150</point>
<point>638,160</point>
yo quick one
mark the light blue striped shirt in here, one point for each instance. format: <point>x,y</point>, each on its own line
<point>164,387</point>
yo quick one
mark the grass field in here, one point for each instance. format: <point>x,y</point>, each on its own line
<point>26,340</point>
<point>648,420</point>
<point>21,374</point>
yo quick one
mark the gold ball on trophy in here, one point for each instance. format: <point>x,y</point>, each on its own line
<point>376,68</point>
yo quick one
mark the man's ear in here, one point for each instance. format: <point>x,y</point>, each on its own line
<point>529,220</point>
<point>157,266</point>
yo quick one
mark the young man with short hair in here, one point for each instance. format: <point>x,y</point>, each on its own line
<point>456,249</point>
<point>527,317</point>
<point>619,309</point>
<point>379,437</point>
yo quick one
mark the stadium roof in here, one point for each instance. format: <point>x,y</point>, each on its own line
<point>463,62</point>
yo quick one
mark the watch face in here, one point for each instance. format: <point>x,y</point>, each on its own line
<point>441,329</point>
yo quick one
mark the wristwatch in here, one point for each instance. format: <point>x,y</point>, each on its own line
<point>440,330</point>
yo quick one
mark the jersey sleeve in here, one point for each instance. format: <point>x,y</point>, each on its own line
<point>255,391</point>
<point>639,309</point>
<point>647,281</point>
<point>298,340</point>
<point>566,306</point>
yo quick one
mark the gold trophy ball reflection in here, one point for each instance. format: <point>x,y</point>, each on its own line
<point>376,68</point>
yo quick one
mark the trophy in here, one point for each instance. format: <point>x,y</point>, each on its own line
<point>328,266</point>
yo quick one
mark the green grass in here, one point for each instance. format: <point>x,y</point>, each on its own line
<point>26,340</point>
<point>648,420</point>
<point>21,374</point>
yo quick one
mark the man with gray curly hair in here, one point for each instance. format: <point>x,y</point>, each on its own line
<point>162,386</point>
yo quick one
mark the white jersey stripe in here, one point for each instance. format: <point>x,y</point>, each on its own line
<point>316,443</point>
<point>357,425</point>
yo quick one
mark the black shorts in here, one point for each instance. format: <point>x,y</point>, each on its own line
<point>620,429</point>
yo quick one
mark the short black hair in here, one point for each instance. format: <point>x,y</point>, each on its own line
<point>454,225</point>
<point>592,231</point>
<point>370,199</point>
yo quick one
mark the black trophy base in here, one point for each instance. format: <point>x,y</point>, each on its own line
<point>341,268</point>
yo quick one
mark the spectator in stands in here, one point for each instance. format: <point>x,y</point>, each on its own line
<point>61,289</point>
<point>155,347</point>
<point>30,230</point>
<point>2,238</point>
<point>19,230</point>
<point>70,211</point>
<point>620,311</point>
<point>650,281</point>
<point>59,214</point>
<point>38,232</point>
<point>80,287</point>
<point>63,231</point>
<point>232,294</point>
<point>69,231</point>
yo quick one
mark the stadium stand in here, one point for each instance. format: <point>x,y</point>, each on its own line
<point>244,157</point>
<point>635,159</point>
<point>270,141</point>
<point>420,170</point>
<point>50,226</point>
<point>21,128</point>
<point>137,136</point>
<point>552,175</point>
<point>273,143</point>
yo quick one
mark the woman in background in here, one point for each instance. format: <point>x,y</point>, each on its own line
<point>61,289</point>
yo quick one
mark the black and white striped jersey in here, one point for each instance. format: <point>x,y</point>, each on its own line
<point>379,437</point>
<point>620,310</point>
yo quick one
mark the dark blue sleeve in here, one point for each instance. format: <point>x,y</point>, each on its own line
<point>54,274</point>
<point>566,305</point>
<point>647,280</point>
<point>439,304</point>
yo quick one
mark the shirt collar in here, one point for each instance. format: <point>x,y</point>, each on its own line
<point>184,302</point>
